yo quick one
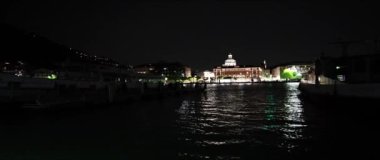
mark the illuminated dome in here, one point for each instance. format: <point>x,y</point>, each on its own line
<point>230,62</point>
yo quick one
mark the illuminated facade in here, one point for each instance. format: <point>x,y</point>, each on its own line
<point>208,76</point>
<point>231,72</point>
<point>290,71</point>
<point>187,71</point>
<point>230,62</point>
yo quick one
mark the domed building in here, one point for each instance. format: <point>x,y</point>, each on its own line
<point>231,72</point>
<point>230,62</point>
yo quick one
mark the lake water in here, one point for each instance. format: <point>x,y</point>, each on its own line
<point>240,121</point>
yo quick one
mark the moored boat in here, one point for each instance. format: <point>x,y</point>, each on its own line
<point>347,79</point>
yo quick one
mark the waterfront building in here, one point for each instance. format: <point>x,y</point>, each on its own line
<point>353,69</point>
<point>187,71</point>
<point>168,70</point>
<point>144,68</point>
<point>290,71</point>
<point>207,76</point>
<point>231,72</point>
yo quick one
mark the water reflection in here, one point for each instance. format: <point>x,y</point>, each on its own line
<point>256,121</point>
<point>231,121</point>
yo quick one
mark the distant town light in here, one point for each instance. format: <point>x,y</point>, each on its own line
<point>52,76</point>
<point>337,67</point>
<point>341,78</point>
<point>18,74</point>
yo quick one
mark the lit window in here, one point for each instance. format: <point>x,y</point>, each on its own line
<point>341,78</point>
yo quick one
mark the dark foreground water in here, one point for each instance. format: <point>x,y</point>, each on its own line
<point>255,121</point>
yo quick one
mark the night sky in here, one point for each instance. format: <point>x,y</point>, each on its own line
<point>199,34</point>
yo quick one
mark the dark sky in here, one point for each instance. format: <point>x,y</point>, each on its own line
<point>199,34</point>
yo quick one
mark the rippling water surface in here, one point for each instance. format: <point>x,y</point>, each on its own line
<point>247,121</point>
<point>239,120</point>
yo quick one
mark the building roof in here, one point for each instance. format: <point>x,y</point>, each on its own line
<point>293,63</point>
<point>240,66</point>
<point>230,62</point>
